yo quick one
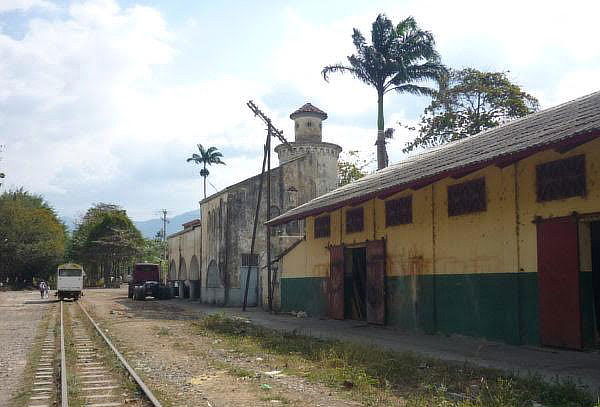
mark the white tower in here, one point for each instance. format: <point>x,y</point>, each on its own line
<point>308,139</point>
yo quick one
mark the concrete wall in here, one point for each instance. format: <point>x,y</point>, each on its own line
<point>308,129</point>
<point>228,222</point>
<point>474,274</point>
<point>184,256</point>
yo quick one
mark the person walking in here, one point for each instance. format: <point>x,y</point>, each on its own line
<point>46,290</point>
<point>42,288</point>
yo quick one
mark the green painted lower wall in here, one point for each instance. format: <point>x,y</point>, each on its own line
<point>308,294</point>
<point>500,306</point>
<point>497,306</point>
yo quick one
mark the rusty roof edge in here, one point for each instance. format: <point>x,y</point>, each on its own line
<point>297,213</point>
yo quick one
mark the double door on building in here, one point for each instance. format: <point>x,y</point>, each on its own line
<point>356,286</point>
<point>568,251</point>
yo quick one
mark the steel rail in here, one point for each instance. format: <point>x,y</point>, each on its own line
<point>64,396</point>
<point>147,392</point>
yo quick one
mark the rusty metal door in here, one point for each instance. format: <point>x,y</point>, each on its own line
<point>376,282</point>
<point>335,286</point>
<point>558,282</point>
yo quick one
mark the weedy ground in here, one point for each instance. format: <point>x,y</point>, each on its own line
<point>376,377</point>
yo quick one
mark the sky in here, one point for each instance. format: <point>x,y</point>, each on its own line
<point>103,100</point>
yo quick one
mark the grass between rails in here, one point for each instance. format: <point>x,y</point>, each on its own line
<point>75,396</point>
<point>378,377</point>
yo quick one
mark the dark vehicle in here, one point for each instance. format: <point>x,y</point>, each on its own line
<point>145,282</point>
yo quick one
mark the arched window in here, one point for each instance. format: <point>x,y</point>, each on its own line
<point>212,275</point>
<point>292,197</point>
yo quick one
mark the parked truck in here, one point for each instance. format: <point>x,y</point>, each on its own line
<point>145,282</point>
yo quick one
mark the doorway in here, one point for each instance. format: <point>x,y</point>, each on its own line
<point>595,247</point>
<point>558,283</point>
<point>355,283</point>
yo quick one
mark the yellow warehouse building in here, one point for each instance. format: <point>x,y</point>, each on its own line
<point>494,236</point>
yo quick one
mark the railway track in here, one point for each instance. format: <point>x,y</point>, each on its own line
<point>79,366</point>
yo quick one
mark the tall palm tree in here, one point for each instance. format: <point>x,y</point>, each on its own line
<point>206,157</point>
<point>398,59</point>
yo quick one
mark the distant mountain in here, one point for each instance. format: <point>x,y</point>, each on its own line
<point>151,226</point>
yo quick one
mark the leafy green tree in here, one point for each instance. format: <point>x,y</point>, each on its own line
<point>106,241</point>
<point>152,251</point>
<point>468,102</point>
<point>32,238</point>
<point>352,167</point>
<point>81,233</point>
<point>206,157</point>
<point>398,59</point>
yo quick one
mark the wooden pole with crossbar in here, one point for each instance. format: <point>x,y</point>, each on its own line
<point>271,131</point>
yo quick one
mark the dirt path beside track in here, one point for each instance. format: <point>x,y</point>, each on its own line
<point>20,315</point>
<point>188,369</point>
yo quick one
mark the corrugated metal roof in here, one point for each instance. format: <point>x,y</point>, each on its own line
<point>502,145</point>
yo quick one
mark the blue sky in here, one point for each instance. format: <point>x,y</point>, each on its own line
<point>102,100</point>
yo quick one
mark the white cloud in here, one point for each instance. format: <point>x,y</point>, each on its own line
<point>82,93</point>
<point>25,5</point>
<point>62,85</point>
<point>90,109</point>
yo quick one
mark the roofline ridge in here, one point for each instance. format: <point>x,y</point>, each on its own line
<point>544,130</point>
<point>511,122</point>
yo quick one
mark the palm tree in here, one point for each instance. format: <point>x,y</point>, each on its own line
<point>206,157</point>
<point>397,60</point>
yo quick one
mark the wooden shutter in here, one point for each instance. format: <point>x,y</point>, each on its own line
<point>335,286</point>
<point>376,282</point>
<point>561,178</point>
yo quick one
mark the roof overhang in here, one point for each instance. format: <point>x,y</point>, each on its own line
<point>501,161</point>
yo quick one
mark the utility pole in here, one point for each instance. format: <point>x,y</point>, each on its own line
<point>164,240</point>
<point>271,131</point>
<point>164,221</point>
<point>269,279</point>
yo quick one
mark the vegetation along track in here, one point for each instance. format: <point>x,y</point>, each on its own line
<point>92,371</point>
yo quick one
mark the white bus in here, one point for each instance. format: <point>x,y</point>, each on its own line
<point>69,281</point>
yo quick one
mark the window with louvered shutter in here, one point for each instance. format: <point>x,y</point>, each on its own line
<point>398,211</point>
<point>561,179</point>
<point>322,226</point>
<point>467,197</point>
<point>354,220</point>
